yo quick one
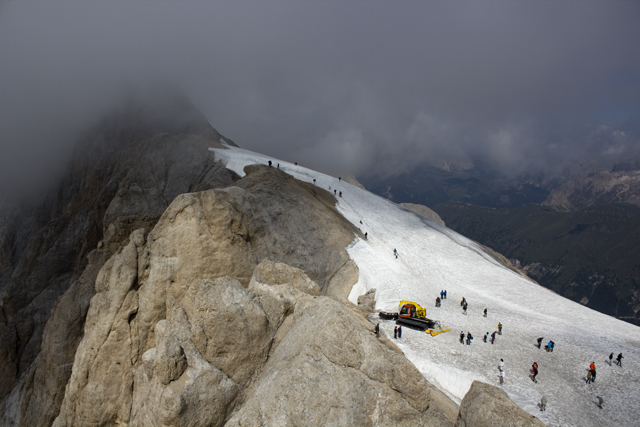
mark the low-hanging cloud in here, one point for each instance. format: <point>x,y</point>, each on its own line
<point>345,87</point>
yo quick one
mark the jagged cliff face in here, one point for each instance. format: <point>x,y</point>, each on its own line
<point>123,176</point>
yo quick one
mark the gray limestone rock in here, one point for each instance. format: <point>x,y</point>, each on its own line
<point>331,370</point>
<point>368,300</point>
<point>487,406</point>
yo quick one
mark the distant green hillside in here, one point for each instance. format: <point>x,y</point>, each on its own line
<point>591,256</point>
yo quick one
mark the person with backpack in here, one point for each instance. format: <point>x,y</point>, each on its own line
<point>493,337</point>
<point>469,338</point>
<point>589,377</point>
<point>499,328</point>
<point>619,360</point>
<point>540,341</point>
<point>534,371</point>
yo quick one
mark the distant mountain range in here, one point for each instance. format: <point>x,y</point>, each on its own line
<point>577,235</point>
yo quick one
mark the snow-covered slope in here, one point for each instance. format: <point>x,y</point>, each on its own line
<point>433,258</point>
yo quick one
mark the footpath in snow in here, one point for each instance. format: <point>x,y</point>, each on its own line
<point>432,258</point>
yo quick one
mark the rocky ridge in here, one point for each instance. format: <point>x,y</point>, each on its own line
<point>185,295</point>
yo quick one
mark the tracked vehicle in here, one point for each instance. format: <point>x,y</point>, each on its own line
<point>412,314</point>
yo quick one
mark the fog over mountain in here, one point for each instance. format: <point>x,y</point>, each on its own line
<point>515,86</point>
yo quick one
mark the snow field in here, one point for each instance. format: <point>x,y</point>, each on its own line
<point>432,258</point>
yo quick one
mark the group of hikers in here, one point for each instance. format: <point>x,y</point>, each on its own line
<point>443,295</point>
<point>548,347</point>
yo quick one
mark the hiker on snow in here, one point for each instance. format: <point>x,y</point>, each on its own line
<point>543,403</point>
<point>399,331</point>
<point>462,302</point>
<point>469,338</point>
<point>493,337</point>
<point>501,369</point>
<point>445,294</point>
<point>485,337</point>
<point>534,371</point>
<point>610,358</point>
<point>437,301</point>
<point>395,252</point>
<point>540,342</point>
<point>499,328</point>
<point>377,329</point>
<point>461,337</point>
<point>485,312</point>
<point>619,360</point>
<point>395,332</point>
<point>464,308</point>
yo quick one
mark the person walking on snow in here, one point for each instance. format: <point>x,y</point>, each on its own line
<point>395,252</point>
<point>534,371</point>
<point>377,330</point>
<point>469,338</point>
<point>499,328</point>
<point>485,312</point>
<point>399,332</point>
<point>592,368</point>
<point>619,360</point>
<point>600,402</point>
<point>461,337</point>
<point>501,370</point>
<point>589,377</point>
<point>485,337</point>
<point>493,337</point>
<point>462,302</point>
<point>464,308</point>
<point>543,403</point>
<point>540,341</point>
<point>395,332</point>
<point>445,294</point>
<point>610,358</point>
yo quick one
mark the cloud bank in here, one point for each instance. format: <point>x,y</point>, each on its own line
<point>344,87</point>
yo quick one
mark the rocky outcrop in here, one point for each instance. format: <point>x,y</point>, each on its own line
<point>123,176</point>
<point>368,299</point>
<point>179,334</point>
<point>331,370</point>
<point>487,406</point>
<point>424,211</point>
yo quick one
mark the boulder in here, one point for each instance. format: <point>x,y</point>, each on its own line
<point>487,406</point>
<point>368,300</point>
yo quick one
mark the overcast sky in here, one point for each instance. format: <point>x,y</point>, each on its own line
<point>341,86</point>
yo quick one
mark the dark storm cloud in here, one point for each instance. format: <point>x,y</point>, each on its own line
<point>339,86</point>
